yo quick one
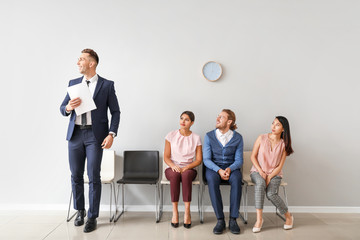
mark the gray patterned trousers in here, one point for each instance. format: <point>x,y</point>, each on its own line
<point>272,192</point>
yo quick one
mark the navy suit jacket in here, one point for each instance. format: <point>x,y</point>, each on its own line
<point>104,98</point>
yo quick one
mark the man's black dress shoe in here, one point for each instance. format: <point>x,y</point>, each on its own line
<point>175,225</point>
<point>187,225</point>
<point>90,225</point>
<point>233,226</point>
<point>220,226</point>
<point>79,220</point>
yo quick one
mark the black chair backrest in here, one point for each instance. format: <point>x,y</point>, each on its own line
<point>141,165</point>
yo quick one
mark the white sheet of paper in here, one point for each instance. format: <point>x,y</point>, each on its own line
<point>87,102</point>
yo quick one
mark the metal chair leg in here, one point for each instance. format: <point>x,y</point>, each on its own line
<point>286,201</point>
<point>110,201</point>
<point>244,220</point>
<point>246,203</point>
<point>240,215</point>
<point>112,187</point>
<point>199,201</point>
<point>122,196</point>
<point>162,199</point>
<point>202,203</point>
<point>157,202</point>
<point>68,219</point>
<point>161,202</point>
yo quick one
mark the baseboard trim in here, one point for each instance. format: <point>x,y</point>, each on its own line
<point>168,208</point>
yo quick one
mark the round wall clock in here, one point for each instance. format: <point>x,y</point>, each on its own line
<point>212,71</point>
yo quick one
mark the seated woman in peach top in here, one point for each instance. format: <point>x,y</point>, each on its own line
<point>182,154</point>
<point>268,158</point>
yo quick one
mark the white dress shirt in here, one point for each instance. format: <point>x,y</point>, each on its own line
<point>224,138</point>
<point>92,86</point>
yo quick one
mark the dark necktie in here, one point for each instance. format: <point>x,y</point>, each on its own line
<point>83,116</point>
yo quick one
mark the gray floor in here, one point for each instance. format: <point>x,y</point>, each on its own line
<point>136,225</point>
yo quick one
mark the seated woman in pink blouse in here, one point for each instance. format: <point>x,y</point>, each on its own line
<point>268,158</point>
<point>182,154</point>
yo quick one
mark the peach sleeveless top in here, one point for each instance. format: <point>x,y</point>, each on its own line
<point>269,158</point>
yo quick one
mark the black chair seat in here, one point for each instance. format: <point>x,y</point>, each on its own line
<point>137,181</point>
<point>223,182</point>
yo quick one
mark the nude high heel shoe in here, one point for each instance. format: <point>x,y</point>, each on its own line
<point>288,227</point>
<point>258,229</point>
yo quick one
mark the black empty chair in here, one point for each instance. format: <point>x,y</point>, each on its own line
<point>140,167</point>
<point>202,197</point>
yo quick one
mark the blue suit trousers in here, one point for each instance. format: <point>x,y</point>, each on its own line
<point>83,145</point>
<point>214,180</point>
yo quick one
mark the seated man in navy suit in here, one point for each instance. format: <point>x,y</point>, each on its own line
<point>223,158</point>
<point>88,134</point>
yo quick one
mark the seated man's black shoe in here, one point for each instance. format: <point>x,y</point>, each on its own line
<point>233,226</point>
<point>90,225</point>
<point>79,220</point>
<point>220,226</point>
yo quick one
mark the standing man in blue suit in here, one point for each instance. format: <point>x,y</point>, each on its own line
<point>88,134</point>
<point>223,158</point>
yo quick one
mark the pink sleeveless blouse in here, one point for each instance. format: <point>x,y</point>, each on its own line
<point>269,159</point>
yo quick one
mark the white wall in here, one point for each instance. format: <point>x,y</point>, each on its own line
<point>299,59</point>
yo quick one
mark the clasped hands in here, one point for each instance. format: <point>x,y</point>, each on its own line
<point>224,174</point>
<point>178,169</point>
<point>266,177</point>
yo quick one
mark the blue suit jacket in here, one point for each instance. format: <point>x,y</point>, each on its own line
<point>104,98</point>
<point>216,156</point>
